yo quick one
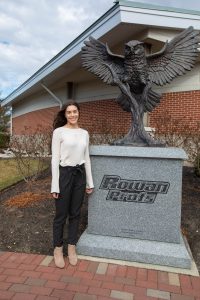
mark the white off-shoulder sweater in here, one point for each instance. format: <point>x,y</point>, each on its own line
<point>70,146</point>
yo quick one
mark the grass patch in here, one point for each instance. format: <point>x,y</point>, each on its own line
<point>9,173</point>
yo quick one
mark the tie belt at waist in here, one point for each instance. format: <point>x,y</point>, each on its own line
<point>75,169</point>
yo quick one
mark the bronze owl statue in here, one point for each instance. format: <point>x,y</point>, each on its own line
<point>136,72</point>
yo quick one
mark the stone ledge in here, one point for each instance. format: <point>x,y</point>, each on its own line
<point>143,251</point>
<point>143,152</point>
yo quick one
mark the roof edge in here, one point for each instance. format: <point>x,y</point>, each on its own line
<point>156,7</point>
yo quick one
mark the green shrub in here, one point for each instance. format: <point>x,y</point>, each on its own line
<point>197,165</point>
<point>4,140</point>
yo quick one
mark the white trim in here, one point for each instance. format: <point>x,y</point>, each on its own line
<point>159,18</point>
<point>52,94</point>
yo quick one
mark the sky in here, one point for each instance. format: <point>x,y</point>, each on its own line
<point>33,31</point>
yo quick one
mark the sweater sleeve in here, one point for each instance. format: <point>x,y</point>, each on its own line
<point>55,161</point>
<point>89,180</point>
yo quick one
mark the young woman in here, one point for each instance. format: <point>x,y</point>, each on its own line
<point>71,178</point>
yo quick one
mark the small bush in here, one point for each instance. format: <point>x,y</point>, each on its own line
<point>177,133</point>
<point>4,140</point>
<point>31,145</point>
<point>197,165</point>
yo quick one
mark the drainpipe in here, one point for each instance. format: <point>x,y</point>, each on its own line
<point>52,94</point>
<point>11,123</point>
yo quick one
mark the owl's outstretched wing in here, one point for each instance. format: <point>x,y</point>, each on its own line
<point>176,57</point>
<point>98,59</point>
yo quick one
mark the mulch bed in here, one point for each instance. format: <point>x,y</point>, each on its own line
<point>28,227</point>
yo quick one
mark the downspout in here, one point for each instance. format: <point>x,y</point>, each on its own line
<point>11,123</point>
<point>52,94</point>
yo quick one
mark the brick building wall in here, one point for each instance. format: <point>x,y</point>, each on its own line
<point>97,117</point>
<point>179,105</point>
<point>106,115</point>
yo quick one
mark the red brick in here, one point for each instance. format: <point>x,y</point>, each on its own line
<point>44,269</point>
<point>65,272</point>
<point>5,256</point>
<point>196,283</point>
<point>77,287</point>
<point>29,259</point>
<point>104,298</point>
<point>92,267</point>
<point>136,290</point>
<point>98,291</point>
<point>81,296</point>
<point>46,298</point>
<point>17,257</point>
<point>11,265</point>
<point>16,279</point>
<point>189,292</point>
<point>142,274</point>
<point>23,296</point>
<point>40,290</point>
<point>169,288</point>
<point>32,274</point>
<point>70,268</point>
<point>83,264</point>
<point>14,272</point>
<point>152,275</point>
<point>3,277</point>
<point>147,284</point>
<point>70,279</point>
<point>163,277</point>
<point>131,272</point>
<point>22,256</point>
<point>5,285</point>
<point>90,282</point>
<point>6,295</point>
<point>124,280</point>
<point>1,270</point>
<point>38,259</point>
<point>83,275</point>
<point>56,284</point>
<point>35,281</point>
<point>103,277</point>
<point>181,297</point>
<point>139,297</point>
<point>111,270</point>
<point>185,281</point>
<point>19,287</point>
<point>50,276</point>
<point>67,295</point>
<point>26,267</point>
<point>112,286</point>
<point>13,257</point>
<point>121,271</point>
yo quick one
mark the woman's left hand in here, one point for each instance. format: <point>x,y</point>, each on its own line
<point>89,191</point>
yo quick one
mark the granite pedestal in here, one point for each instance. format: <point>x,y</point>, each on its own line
<point>135,211</point>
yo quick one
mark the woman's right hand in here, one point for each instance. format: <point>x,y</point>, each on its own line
<point>55,195</point>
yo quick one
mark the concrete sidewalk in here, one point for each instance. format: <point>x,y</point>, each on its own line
<point>31,276</point>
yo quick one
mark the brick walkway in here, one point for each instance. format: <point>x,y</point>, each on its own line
<point>30,276</point>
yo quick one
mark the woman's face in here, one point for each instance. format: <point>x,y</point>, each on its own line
<point>72,114</point>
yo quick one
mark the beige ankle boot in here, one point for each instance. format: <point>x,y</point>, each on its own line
<point>58,257</point>
<point>72,255</point>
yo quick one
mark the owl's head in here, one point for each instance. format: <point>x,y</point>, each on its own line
<point>135,47</point>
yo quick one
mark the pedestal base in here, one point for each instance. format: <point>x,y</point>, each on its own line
<point>150,252</point>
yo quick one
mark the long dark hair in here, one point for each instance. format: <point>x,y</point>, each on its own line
<point>60,119</point>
